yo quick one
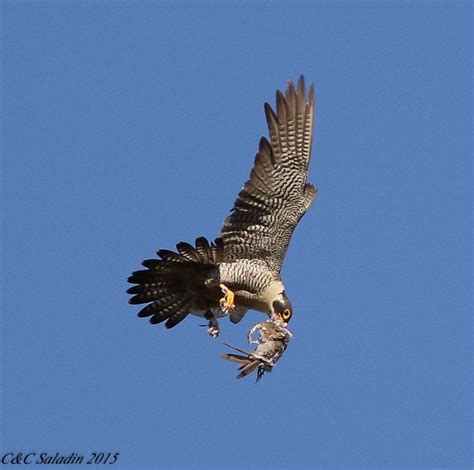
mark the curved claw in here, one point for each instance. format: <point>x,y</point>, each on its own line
<point>213,331</point>
<point>213,325</point>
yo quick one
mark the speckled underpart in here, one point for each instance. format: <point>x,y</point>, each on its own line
<point>251,275</point>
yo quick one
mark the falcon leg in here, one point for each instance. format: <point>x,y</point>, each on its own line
<point>227,302</point>
<point>213,329</point>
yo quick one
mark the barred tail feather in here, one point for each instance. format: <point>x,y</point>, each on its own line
<point>169,285</point>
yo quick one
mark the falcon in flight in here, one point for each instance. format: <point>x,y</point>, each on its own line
<point>240,270</point>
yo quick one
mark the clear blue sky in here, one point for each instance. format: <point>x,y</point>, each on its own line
<point>130,126</point>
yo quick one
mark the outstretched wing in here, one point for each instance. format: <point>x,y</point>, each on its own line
<point>276,196</point>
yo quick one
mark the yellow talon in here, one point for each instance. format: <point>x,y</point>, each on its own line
<point>227,302</point>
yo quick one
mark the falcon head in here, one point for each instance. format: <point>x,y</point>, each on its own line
<point>281,308</point>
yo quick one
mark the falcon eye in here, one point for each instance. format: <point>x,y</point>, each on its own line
<point>286,314</point>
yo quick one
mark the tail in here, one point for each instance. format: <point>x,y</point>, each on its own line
<point>172,283</point>
<point>247,364</point>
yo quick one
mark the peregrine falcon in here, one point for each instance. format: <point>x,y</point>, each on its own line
<point>240,270</point>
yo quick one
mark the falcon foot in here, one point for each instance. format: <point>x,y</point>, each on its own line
<point>227,302</point>
<point>213,326</point>
<point>213,331</point>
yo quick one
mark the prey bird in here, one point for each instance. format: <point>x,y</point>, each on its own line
<point>271,344</point>
<point>240,270</point>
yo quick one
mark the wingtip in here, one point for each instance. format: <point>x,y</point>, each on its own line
<point>290,91</point>
<point>300,89</point>
<point>264,145</point>
<point>311,93</point>
<point>279,96</point>
<point>272,118</point>
<point>301,85</point>
<point>281,106</point>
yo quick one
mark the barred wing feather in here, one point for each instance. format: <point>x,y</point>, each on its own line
<point>276,196</point>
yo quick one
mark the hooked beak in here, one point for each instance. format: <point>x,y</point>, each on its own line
<point>277,317</point>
